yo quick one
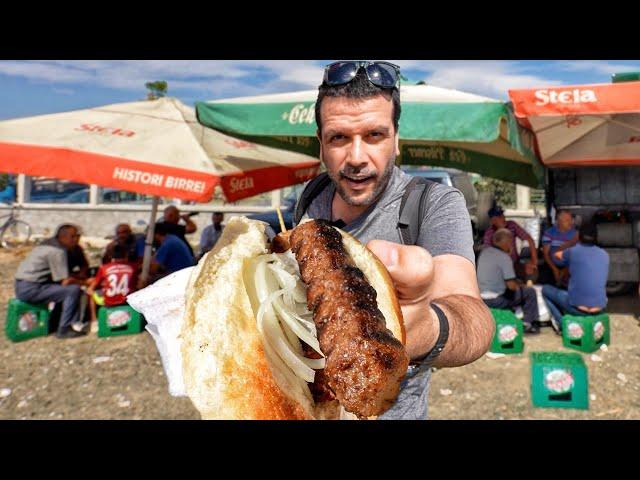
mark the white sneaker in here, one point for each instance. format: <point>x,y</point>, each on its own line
<point>78,327</point>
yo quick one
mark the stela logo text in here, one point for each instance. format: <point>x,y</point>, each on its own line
<point>575,96</point>
<point>88,127</point>
<point>237,184</point>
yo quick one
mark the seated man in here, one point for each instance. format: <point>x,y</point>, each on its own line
<point>528,271</point>
<point>115,279</point>
<point>44,277</point>
<point>172,254</point>
<point>497,281</point>
<point>559,237</point>
<point>588,271</point>
<point>211,233</point>
<point>126,239</point>
<point>172,218</point>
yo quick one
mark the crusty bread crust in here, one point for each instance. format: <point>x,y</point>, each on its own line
<point>380,280</point>
<point>226,372</point>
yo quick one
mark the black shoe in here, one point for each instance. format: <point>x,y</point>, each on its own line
<point>70,333</point>
<point>556,326</point>
<point>531,329</point>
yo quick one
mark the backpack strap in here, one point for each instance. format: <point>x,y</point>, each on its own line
<point>413,208</point>
<point>311,191</point>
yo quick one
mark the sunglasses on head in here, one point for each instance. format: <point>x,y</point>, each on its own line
<point>381,74</point>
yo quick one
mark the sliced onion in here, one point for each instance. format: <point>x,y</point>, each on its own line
<point>289,374</point>
<point>292,284</point>
<point>304,335</point>
<point>291,337</point>
<point>283,318</point>
<point>269,325</point>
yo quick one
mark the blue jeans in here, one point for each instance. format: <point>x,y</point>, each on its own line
<point>558,302</point>
<point>525,297</point>
<point>68,295</point>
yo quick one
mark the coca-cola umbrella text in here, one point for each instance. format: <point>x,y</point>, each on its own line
<point>438,126</point>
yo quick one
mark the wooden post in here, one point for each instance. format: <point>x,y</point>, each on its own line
<point>146,261</point>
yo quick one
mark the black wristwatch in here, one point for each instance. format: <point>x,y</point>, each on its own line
<point>429,357</point>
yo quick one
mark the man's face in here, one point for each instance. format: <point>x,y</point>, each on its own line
<point>505,245</point>
<point>217,218</point>
<point>499,222</point>
<point>358,145</point>
<point>123,233</point>
<point>172,215</point>
<point>565,221</point>
<point>69,238</point>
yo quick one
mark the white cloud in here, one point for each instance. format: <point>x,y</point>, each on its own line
<point>41,71</point>
<point>211,79</point>
<point>598,66</point>
<point>491,78</point>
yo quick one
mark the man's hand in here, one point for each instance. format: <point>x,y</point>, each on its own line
<point>141,283</point>
<point>190,227</point>
<point>448,281</point>
<point>412,270</point>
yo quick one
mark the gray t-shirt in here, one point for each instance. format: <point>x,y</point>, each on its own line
<point>46,263</point>
<point>494,267</point>
<point>446,229</point>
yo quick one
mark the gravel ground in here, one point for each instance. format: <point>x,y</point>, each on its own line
<point>122,377</point>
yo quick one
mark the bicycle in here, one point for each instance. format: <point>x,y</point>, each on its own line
<point>14,232</point>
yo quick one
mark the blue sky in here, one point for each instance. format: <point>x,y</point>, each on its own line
<point>38,87</point>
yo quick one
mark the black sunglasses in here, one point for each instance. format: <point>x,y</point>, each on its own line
<point>381,74</point>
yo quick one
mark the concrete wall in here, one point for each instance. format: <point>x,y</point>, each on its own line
<point>98,224</point>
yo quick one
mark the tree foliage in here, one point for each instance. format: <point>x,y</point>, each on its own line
<point>156,89</point>
<point>503,192</point>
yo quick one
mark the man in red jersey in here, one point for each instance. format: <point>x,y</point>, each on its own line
<point>115,281</point>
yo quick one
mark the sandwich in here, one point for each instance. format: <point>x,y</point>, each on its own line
<point>307,326</point>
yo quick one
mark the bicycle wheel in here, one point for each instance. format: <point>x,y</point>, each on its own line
<point>18,233</point>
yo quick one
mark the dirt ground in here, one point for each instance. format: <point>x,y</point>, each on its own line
<point>122,377</point>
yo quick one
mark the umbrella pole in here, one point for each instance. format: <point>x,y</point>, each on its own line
<point>146,262</point>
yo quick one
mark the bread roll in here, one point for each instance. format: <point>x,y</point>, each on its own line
<point>227,373</point>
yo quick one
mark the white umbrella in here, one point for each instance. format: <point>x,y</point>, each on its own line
<point>150,147</point>
<point>583,125</point>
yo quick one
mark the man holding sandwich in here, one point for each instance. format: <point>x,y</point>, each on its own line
<point>447,323</point>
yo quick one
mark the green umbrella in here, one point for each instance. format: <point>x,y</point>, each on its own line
<point>438,127</point>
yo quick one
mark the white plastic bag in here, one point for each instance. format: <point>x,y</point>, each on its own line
<point>162,305</point>
<point>544,314</point>
<point>543,311</point>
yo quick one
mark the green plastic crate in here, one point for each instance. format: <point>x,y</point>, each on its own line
<point>559,380</point>
<point>120,320</point>
<point>585,333</point>
<point>26,320</point>
<point>508,337</point>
